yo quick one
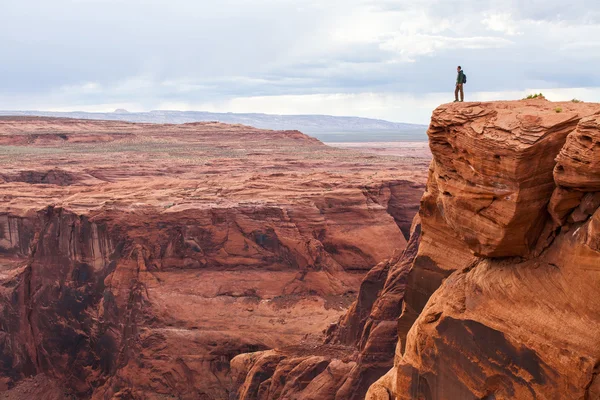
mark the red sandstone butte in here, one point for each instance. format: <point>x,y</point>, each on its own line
<point>137,260</point>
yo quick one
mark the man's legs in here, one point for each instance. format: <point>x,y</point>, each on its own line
<point>462,93</point>
<point>456,92</point>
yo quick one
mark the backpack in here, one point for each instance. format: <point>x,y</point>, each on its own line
<point>464,78</point>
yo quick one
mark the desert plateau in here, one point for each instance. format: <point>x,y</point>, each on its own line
<point>215,261</point>
<point>136,260</point>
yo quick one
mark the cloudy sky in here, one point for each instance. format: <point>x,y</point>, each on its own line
<point>391,59</point>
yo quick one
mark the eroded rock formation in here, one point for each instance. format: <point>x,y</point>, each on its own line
<point>501,299</point>
<point>519,318</point>
<point>137,260</point>
<point>355,353</point>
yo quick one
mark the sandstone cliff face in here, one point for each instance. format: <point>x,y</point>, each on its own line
<point>355,353</point>
<point>137,260</point>
<point>496,295</point>
<point>510,216</point>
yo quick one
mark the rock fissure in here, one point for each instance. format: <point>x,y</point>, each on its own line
<point>592,389</point>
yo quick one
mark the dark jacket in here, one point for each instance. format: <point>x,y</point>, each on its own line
<point>461,77</point>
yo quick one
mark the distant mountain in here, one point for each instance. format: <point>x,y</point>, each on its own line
<point>324,127</point>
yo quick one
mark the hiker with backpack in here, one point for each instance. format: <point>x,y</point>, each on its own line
<point>461,79</point>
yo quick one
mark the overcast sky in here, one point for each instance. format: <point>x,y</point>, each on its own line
<point>390,59</point>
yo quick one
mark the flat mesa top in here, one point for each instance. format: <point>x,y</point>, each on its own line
<point>85,165</point>
<point>514,124</point>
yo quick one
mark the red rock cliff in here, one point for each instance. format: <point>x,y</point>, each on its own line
<point>356,352</point>
<point>511,217</point>
<point>497,295</point>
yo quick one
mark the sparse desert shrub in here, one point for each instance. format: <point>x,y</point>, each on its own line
<point>558,109</point>
<point>534,96</point>
<point>576,101</point>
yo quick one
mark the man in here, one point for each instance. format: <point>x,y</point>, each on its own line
<point>460,80</point>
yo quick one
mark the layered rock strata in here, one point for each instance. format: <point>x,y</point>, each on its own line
<point>137,260</point>
<point>501,298</point>
<point>357,350</point>
<point>515,183</point>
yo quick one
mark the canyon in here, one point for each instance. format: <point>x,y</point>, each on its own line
<point>137,260</point>
<point>495,296</point>
<point>213,261</point>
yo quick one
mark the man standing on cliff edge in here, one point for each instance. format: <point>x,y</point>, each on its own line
<point>460,81</point>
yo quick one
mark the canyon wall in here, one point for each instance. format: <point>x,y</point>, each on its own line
<point>515,185</point>
<point>355,352</point>
<point>115,294</point>
<point>497,293</point>
<point>137,260</point>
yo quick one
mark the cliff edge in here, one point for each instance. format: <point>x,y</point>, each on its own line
<point>497,293</point>
<point>511,216</point>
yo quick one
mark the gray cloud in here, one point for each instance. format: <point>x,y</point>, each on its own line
<point>148,53</point>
